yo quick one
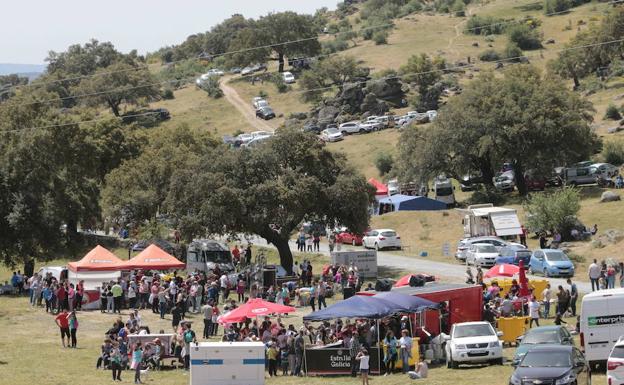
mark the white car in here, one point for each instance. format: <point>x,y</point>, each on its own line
<point>331,135</point>
<point>259,102</point>
<point>244,138</point>
<point>258,134</point>
<point>215,72</point>
<point>606,170</point>
<point>404,120</point>
<point>369,126</point>
<point>464,245</point>
<point>256,141</point>
<point>615,363</point>
<point>288,77</point>
<point>393,186</point>
<point>473,342</point>
<point>350,128</point>
<point>432,114</point>
<point>381,239</point>
<point>481,254</point>
<point>247,71</point>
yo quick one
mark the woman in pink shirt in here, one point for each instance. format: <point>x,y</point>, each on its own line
<point>79,295</point>
<point>71,296</point>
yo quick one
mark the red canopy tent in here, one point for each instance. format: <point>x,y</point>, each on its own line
<point>154,258</point>
<point>98,259</point>
<point>255,307</point>
<point>404,280</point>
<point>504,270</point>
<point>382,189</point>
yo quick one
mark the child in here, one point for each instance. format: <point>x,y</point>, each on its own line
<point>115,360</point>
<point>73,328</point>
<point>137,357</point>
<point>284,358</point>
<point>363,358</point>
<point>272,356</point>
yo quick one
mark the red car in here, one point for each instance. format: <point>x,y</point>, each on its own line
<point>349,238</point>
<point>535,184</point>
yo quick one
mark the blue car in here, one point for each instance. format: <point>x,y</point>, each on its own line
<point>512,255</point>
<point>551,263</point>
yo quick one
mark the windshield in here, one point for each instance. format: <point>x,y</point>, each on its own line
<point>388,234</point>
<point>546,359</point>
<point>472,331</point>
<point>444,191</point>
<point>555,256</point>
<point>217,256</point>
<point>541,337</point>
<point>486,249</point>
<point>618,352</point>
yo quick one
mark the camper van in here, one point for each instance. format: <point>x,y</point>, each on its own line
<point>484,220</point>
<point>443,191</point>
<point>602,323</point>
<point>206,254</point>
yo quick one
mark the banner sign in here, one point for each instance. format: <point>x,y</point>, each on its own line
<point>365,261</point>
<point>605,320</point>
<point>335,361</point>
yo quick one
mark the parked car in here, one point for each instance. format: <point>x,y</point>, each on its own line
<point>615,363</point>
<point>464,244</point>
<point>512,255</point>
<point>605,170</point>
<point>575,176</point>
<point>534,183</point>
<point>288,77</point>
<point>551,263</point>
<point>312,127</point>
<point>331,135</point>
<point>393,186</point>
<point>265,113</point>
<point>235,70</point>
<point>146,117</point>
<point>256,141</point>
<point>350,128</point>
<point>385,121</point>
<point>259,102</point>
<point>370,126</point>
<point>481,254</point>
<point>215,72</point>
<point>247,71</point>
<point>257,134</point>
<point>552,364</point>
<point>404,120</point>
<point>346,237</point>
<point>504,182</point>
<point>601,327</point>
<point>381,239</point>
<point>244,138</point>
<point>469,181</point>
<point>472,343</point>
<point>552,334</point>
<point>432,115</point>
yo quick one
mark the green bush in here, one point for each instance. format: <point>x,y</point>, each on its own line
<point>278,80</point>
<point>525,36</point>
<point>552,6</point>
<point>384,163</point>
<point>489,55</point>
<point>613,152</point>
<point>485,25</point>
<point>167,94</point>
<point>459,8</point>
<point>333,46</point>
<point>212,87</point>
<point>380,37</point>
<point>263,94</point>
<point>512,51</point>
<point>486,195</point>
<point>412,7</point>
<point>556,211</point>
<point>612,113</point>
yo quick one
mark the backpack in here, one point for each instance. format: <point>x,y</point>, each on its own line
<point>188,336</point>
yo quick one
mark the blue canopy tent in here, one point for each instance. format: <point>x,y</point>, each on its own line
<point>410,303</point>
<point>358,306</point>
<point>412,203</point>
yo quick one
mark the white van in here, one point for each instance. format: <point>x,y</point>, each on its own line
<point>602,323</point>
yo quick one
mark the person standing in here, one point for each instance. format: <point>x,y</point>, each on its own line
<point>573,296</point>
<point>62,321</point>
<point>331,241</point>
<point>405,342</point>
<point>363,358</point>
<point>321,291</point>
<point>354,349</point>
<point>189,336</point>
<point>137,357</point>
<point>594,272</point>
<point>299,348</point>
<point>240,290</point>
<point>79,294</point>
<point>272,357</point>
<point>132,295</point>
<point>610,274</point>
<point>390,357</point>
<point>117,293</point>
<point>115,360</point>
<point>248,255</point>
<point>207,312</point>
<point>523,236</point>
<point>162,302</point>
<point>533,312</point>
<point>562,301</point>
<point>317,242</point>
<point>73,328</point>
<point>547,295</point>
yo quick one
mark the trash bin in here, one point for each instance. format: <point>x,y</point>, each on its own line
<point>538,286</point>
<point>512,328</point>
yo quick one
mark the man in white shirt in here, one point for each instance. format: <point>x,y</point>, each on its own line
<point>534,312</point>
<point>547,295</point>
<point>405,342</point>
<point>594,274</point>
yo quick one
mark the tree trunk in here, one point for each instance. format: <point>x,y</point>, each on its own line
<point>487,173</point>
<point>286,258</point>
<point>72,231</point>
<point>29,267</point>
<point>519,177</point>
<point>114,107</point>
<point>577,83</point>
<point>280,58</point>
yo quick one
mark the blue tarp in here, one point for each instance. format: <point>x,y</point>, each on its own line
<point>410,303</point>
<point>358,306</point>
<point>413,203</point>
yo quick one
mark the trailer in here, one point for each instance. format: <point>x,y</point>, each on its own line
<point>227,363</point>
<point>462,303</point>
<point>486,220</point>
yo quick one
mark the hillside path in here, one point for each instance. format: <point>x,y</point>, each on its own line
<point>244,107</point>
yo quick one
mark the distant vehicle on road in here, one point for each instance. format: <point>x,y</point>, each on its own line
<point>348,238</point>
<point>379,239</point>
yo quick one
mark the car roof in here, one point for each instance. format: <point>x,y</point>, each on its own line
<point>552,348</point>
<point>383,230</point>
<point>544,328</point>
<point>472,323</point>
<point>599,294</point>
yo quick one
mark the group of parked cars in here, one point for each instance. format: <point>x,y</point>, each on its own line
<point>252,139</point>
<point>489,251</point>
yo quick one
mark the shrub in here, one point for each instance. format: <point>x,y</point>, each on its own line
<point>612,113</point>
<point>412,7</point>
<point>167,94</point>
<point>556,211</point>
<point>485,25</point>
<point>384,163</point>
<point>212,87</point>
<point>613,152</point>
<point>278,80</point>
<point>489,55</point>
<point>512,51</point>
<point>263,94</point>
<point>380,37</point>
<point>333,46</point>
<point>524,36</point>
<point>486,195</point>
<point>552,6</point>
<point>459,8</point>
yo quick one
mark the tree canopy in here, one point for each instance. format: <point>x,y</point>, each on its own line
<point>269,190</point>
<point>333,71</point>
<point>523,118</point>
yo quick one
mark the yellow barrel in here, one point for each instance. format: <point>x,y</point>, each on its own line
<point>538,286</point>
<point>512,328</point>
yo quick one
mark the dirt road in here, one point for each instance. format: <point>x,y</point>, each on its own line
<point>243,106</point>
